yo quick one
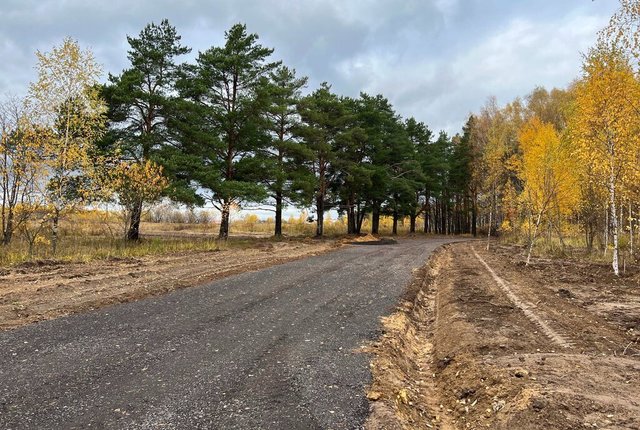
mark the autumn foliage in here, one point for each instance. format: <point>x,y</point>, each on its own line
<point>568,159</point>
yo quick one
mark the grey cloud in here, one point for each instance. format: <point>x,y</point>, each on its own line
<point>436,60</point>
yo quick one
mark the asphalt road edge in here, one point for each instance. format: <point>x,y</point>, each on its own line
<point>400,394</point>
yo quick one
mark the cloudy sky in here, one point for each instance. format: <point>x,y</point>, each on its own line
<point>436,60</point>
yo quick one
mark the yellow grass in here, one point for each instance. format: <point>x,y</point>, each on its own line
<point>94,234</point>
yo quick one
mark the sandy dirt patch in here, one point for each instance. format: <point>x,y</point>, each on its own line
<point>44,290</point>
<point>366,238</point>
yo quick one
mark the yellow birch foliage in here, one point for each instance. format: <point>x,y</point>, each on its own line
<point>606,126</point>
<point>548,170</point>
<point>623,31</point>
<point>606,118</point>
<point>497,132</point>
<point>65,99</point>
<point>137,183</point>
<point>21,144</point>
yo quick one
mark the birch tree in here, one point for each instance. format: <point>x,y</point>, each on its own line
<point>21,145</point>
<point>65,100</point>
<point>606,125</point>
<point>549,175</point>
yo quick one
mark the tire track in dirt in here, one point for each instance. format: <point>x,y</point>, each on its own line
<point>525,307</point>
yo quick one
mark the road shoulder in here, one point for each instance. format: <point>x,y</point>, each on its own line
<point>45,290</point>
<point>480,341</point>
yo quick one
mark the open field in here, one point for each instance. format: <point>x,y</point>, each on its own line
<point>94,235</point>
<point>481,341</point>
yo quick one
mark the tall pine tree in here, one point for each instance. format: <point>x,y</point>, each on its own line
<point>138,100</point>
<point>287,181</point>
<point>223,120</point>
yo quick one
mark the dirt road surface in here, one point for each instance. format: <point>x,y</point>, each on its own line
<point>485,342</point>
<point>275,348</point>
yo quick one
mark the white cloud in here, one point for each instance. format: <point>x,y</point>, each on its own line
<point>507,62</point>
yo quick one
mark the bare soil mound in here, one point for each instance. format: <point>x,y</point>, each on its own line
<point>370,239</point>
<point>366,238</point>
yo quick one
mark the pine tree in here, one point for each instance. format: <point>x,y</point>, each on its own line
<point>323,122</point>
<point>381,126</point>
<point>138,103</point>
<point>286,180</point>
<point>224,125</point>
<point>352,167</point>
<point>420,137</point>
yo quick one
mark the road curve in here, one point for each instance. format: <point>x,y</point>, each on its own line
<point>267,349</point>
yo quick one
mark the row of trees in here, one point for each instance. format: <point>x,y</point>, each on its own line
<point>569,157</point>
<point>233,128</point>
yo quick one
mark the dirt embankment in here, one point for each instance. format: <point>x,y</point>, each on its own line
<point>482,341</point>
<point>39,291</point>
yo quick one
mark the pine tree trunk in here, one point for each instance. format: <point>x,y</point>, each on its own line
<point>412,227</point>
<point>465,215</point>
<point>395,223</point>
<point>133,232</point>
<point>427,212</point>
<point>489,232</point>
<point>445,217</point>
<point>320,213</point>
<point>474,216</point>
<point>375,218</point>
<point>360,218</point>
<point>278,227</point>
<point>351,216</point>
<point>426,221</point>
<point>224,221</point>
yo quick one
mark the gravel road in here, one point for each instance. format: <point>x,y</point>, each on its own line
<point>271,349</point>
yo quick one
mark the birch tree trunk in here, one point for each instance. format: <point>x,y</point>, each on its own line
<point>614,219</point>
<point>606,231</point>
<point>630,230</point>
<point>533,238</point>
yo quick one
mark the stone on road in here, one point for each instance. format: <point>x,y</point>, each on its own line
<point>275,348</point>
